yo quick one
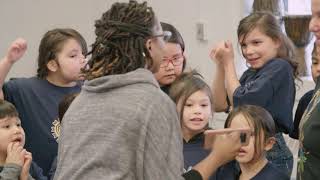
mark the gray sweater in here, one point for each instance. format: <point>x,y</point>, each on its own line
<point>121,127</point>
<point>11,172</point>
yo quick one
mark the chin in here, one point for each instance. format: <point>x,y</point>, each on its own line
<point>242,160</point>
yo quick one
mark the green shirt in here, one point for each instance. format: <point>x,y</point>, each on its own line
<point>311,141</point>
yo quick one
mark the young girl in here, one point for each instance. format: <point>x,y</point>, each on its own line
<point>61,56</point>
<point>269,81</point>
<point>194,105</point>
<point>252,158</point>
<point>173,61</point>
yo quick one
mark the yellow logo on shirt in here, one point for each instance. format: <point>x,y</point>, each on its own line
<point>55,129</point>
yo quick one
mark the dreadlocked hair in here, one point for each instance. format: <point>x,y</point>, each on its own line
<point>121,35</point>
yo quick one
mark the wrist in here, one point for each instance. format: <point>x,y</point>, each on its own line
<point>8,61</point>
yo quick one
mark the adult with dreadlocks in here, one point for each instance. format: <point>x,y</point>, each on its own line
<point>121,125</point>
<point>173,62</point>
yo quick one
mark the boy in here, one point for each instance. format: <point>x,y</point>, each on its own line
<point>15,161</point>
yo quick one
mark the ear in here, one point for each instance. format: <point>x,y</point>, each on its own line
<point>278,43</point>
<point>269,143</point>
<point>52,65</point>
<point>148,44</point>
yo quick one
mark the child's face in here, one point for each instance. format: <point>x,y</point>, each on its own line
<point>10,131</point>
<point>315,67</point>
<point>197,111</point>
<point>258,48</point>
<point>171,65</point>
<point>70,60</point>
<point>246,153</point>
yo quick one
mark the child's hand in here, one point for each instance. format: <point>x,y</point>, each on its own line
<point>16,50</point>
<point>222,53</point>
<point>26,166</point>
<point>15,154</point>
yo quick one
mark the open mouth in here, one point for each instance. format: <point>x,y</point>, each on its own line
<point>196,120</point>
<point>17,140</point>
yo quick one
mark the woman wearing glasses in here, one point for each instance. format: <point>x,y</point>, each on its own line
<point>173,61</point>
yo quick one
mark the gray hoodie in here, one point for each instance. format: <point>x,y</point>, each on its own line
<point>121,127</point>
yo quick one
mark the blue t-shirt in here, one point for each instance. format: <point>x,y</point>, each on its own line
<point>194,152</point>
<point>37,103</point>
<point>232,171</point>
<point>271,87</point>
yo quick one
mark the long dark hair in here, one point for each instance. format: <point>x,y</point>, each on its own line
<point>121,34</point>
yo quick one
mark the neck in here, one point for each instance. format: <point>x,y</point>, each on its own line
<point>187,134</point>
<point>59,81</point>
<point>252,168</point>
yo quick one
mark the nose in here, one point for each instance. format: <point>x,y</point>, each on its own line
<point>317,67</point>
<point>83,59</point>
<point>170,65</point>
<point>247,51</point>
<point>312,25</point>
<point>197,109</point>
<point>17,129</point>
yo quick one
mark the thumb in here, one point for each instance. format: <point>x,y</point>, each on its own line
<point>228,44</point>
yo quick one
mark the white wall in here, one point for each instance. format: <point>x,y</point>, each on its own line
<point>30,19</point>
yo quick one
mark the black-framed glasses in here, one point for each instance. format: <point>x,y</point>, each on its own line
<point>176,61</point>
<point>166,35</point>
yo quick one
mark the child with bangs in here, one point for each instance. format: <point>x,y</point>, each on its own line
<point>251,162</point>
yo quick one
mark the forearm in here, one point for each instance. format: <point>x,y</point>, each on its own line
<point>219,91</point>
<point>208,166</point>
<point>232,82</point>
<point>5,67</point>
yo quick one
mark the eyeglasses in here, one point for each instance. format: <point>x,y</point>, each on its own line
<point>166,35</point>
<point>176,61</point>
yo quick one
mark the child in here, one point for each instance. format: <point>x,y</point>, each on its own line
<point>252,158</point>
<point>173,61</point>
<point>306,98</point>
<point>15,161</point>
<point>194,105</point>
<point>63,107</point>
<point>61,56</point>
<point>269,81</point>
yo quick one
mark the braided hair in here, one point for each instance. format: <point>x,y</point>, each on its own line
<point>121,34</point>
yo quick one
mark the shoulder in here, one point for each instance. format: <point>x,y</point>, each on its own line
<point>22,82</point>
<point>307,97</point>
<point>271,172</point>
<point>277,66</point>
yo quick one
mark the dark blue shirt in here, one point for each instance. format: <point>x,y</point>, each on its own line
<point>194,152</point>
<point>37,103</point>
<point>271,87</point>
<point>232,171</point>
